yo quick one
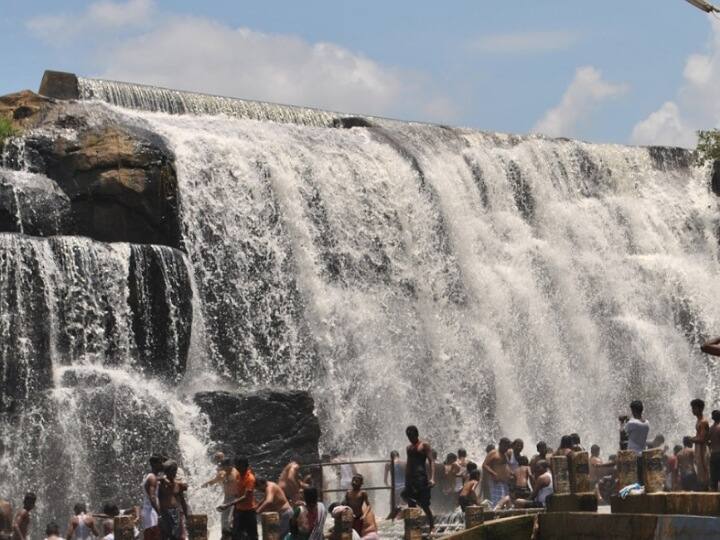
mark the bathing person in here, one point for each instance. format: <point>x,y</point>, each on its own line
<point>356,498</point>
<point>369,528</point>
<point>566,446</point>
<point>108,530</point>
<point>577,447</point>
<point>542,452</point>
<point>672,475</point>
<point>712,346</point>
<point>291,482</point>
<point>399,470</point>
<point>274,500</point>
<point>81,526</point>
<point>521,486</point>
<point>228,476</point>
<point>312,515</point>
<point>462,462</point>
<point>244,517</point>
<point>542,488</point>
<point>497,471</point>
<point>715,451</point>
<point>451,474</point>
<point>468,493</point>
<point>702,432</point>
<point>419,473</point>
<point>219,477</point>
<point>636,430</point>
<point>52,531</point>
<point>173,508</point>
<point>6,520</point>
<point>151,506</point>
<point>686,466</point>
<point>21,523</point>
<point>516,449</point>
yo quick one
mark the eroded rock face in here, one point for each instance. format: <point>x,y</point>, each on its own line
<point>33,204</point>
<point>119,178</point>
<point>268,427</point>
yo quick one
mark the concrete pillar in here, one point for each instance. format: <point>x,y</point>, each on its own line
<point>473,516</point>
<point>653,470</point>
<point>414,521</point>
<point>344,525</point>
<point>561,474</point>
<point>270,525</point>
<point>123,527</point>
<point>626,468</point>
<point>579,468</point>
<point>197,527</point>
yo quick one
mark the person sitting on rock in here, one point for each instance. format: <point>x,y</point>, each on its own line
<point>468,493</point>
<point>542,488</point>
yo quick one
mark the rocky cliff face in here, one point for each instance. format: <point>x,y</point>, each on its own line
<point>269,428</point>
<point>119,179</point>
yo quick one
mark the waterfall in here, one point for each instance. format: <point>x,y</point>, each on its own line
<point>82,401</point>
<point>476,284</point>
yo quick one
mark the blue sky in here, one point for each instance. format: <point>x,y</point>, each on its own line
<point>622,71</point>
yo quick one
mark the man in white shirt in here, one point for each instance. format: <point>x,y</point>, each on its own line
<point>636,430</point>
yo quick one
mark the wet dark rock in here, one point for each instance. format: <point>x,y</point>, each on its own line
<point>120,178</point>
<point>32,204</point>
<point>349,122</point>
<point>269,427</point>
<point>668,158</point>
<point>715,178</point>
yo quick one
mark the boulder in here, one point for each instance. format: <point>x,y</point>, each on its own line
<point>32,204</point>
<point>120,178</point>
<point>269,427</point>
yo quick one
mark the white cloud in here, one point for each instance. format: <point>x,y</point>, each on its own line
<point>525,42</point>
<point>582,97</point>
<point>98,17</point>
<point>192,53</point>
<point>696,105</point>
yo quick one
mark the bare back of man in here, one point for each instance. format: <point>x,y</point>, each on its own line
<point>714,438</point>
<point>6,519</point>
<point>21,525</point>
<point>274,500</point>
<point>290,482</point>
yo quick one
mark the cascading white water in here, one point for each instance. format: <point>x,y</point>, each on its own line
<point>476,284</point>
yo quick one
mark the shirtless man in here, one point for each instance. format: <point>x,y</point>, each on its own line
<point>356,498</point>
<point>274,500</point>
<point>6,520</point>
<point>542,452</point>
<point>715,451</point>
<point>81,526</point>
<point>542,488</point>
<point>497,471</point>
<point>228,476</point>
<point>291,483</point>
<point>21,524</point>
<point>151,507</point>
<point>702,432</point>
<point>369,528</point>
<point>52,531</point>
<point>686,466</point>
<point>219,477</point>
<point>468,493</point>
<point>419,473</point>
<point>566,446</point>
<point>171,495</point>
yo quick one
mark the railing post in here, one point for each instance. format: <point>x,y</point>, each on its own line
<point>579,465</point>
<point>270,525</point>
<point>653,470</point>
<point>197,528</point>
<point>123,527</point>
<point>414,521</point>
<point>626,468</point>
<point>560,474</point>
<point>473,516</point>
<point>393,503</point>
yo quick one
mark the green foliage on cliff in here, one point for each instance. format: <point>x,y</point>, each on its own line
<point>708,146</point>
<point>6,130</point>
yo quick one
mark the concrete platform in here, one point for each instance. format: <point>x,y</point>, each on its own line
<point>686,503</point>
<point>589,526</point>
<point>512,528</point>
<point>573,502</point>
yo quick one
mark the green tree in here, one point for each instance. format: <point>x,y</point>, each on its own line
<point>7,130</point>
<point>708,146</point>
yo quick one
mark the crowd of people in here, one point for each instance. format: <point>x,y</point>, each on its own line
<point>504,478</point>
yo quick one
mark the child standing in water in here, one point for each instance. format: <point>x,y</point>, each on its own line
<point>355,498</point>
